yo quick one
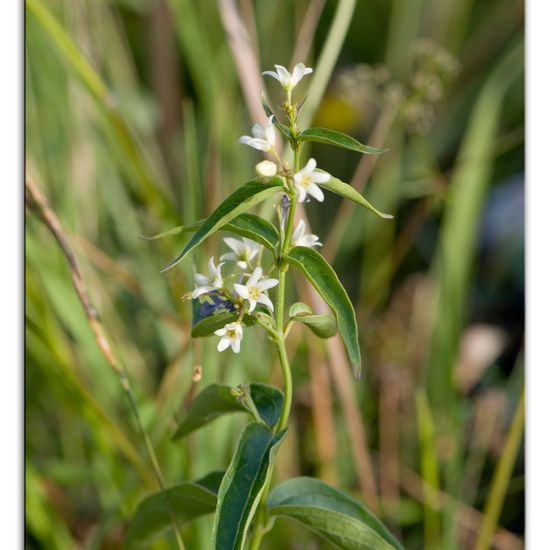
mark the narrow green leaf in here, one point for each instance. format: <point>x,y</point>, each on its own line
<point>331,514</point>
<point>216,400</point>
<point>185,502</point>
<point>281,127</point>
<point>244,198</point>
<point>332,137</point>
<point>242,485</point>
<point>327,284</point>
<point>246,225</point>
<point>347,191</point>
<point>255,228</point>
<point>174,231</point>
<point>299,308</point>
<point>323,326</point>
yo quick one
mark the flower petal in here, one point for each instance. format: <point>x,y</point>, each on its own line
<point>224,343</point>
<point>266,284</point>
<point>258,131</point>
<point>229,256</point>
<point>298,232</point>
<point>234,244</point>
<point>284,75</point>
<point>200,279</point>
<point>254,277</point>
<point>273,74</point>
<point>264,299</point>
<point>315,192</point>
<point>309,167</point>
<point>319,177</point>
<point>212,267</point>
<point>301,193</point>
<point>200,291</point>
<point>241,290</point>
<point>252,304</point>
<point>221,332</point>
<point>236,345</point>
<point>308,240</point>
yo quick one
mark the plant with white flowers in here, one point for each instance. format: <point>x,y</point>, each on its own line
<point>224,306</point>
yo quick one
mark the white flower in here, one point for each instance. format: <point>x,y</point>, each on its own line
<point>254,288</point>
<point>266,168</point>
<point>243,251</point>
<point>231,334</point>
<point>305,180</point>
<point>264,138</point>
<point>299,239</point>
<point>212,282</point>
<point>288,81</point>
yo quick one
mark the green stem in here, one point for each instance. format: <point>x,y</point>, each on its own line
<point>501,479</point>
<point>279,339</point>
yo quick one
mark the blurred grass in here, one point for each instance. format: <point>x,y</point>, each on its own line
<point>99,147</point>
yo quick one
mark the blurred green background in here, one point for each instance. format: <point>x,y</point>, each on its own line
<point>133,109</point>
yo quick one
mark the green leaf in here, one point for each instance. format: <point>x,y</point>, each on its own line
<point>246,225</point>
<point>255,228</point>
<point>327,284</point>
<point>244,198</point>
<point>242,485</point>
<point>347,191</point>
<point>187,501</point>
<point>174,231</point>
<point>331,514</point>
<point>281,127</point>
<point>299,308</point>
<point>323,326</point>
<point>216,400</point>
<point>332,137</point>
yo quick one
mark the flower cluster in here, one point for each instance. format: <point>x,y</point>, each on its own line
<point>246,253</point>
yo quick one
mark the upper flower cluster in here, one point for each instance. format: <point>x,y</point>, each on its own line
<point>300,184</point>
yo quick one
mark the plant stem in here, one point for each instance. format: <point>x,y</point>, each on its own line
<point>282,268</point>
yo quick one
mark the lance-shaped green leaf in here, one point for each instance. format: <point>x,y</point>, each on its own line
<point>242,485</point>
<point>332,137</point>
<point>326,282</point>
<point>183,503</point>
<point>217,400</point>
<point>246,225</point>
<point>323,326</point>
<point>255,228</point>
<point>244,198</point>
<point>331,514</point>
<point>347,191</point>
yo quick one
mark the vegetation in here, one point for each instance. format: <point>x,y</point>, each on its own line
<point>133,113</point>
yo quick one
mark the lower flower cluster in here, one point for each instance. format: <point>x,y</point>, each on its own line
<point>240,297</point>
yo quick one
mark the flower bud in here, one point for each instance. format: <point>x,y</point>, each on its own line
<point>266,168</point>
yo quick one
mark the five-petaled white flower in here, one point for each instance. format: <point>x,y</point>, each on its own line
<point>231,334</point>
<point>264,137</point>
<point>299,239</point>
<point>254,288</point>
<point>288,81</point>
<point>212,282</point>
<point>243,251</point>
<point>306,179</point>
